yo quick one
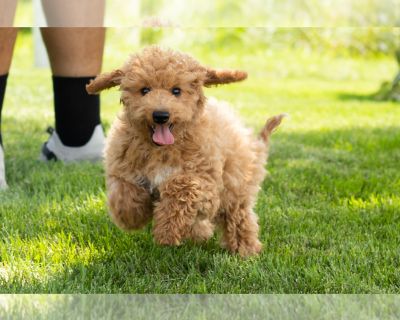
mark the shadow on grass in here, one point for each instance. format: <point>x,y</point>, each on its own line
<point>385,93</point>
<point>336,163</point>
<point>312,175</point>
<point>357,97</point>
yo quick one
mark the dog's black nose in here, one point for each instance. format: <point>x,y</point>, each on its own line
<point>160,117</point>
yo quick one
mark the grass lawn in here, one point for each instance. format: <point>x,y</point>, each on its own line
<point>329,209</point>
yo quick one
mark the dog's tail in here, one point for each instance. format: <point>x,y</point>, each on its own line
<point>270,126</point>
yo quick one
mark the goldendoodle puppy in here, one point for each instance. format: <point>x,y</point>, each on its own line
<point>177,158</point>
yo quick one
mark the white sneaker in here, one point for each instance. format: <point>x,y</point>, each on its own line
<point>3,183</point>
<point>54,149</point>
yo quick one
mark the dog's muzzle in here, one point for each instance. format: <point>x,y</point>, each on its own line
<point>162,130</point>
<point>160,117</point>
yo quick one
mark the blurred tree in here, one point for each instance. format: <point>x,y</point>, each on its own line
<point>390,90</point>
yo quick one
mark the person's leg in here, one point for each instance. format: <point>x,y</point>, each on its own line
<point>7,41</point>
<point>74,13</point>
<point>75,56</point>
<point>7,12</point>
<point>74,52</point>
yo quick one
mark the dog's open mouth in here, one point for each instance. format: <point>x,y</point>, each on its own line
<point>161,134</point>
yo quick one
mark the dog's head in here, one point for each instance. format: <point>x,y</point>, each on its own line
<point>162,90</point>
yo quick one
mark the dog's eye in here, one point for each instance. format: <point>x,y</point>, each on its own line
<point>145,91</point>
<point>176,91</point>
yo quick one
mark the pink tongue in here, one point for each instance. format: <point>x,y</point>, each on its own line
<point>162,135</point>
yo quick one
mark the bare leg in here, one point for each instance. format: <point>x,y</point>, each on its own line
<point>74,13</point>
<point>74,52</point>
<point>7,41</point>
<point>7,12</point>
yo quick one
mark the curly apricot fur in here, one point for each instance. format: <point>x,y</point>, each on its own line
<point>208,177</point>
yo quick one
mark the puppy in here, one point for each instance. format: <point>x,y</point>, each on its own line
<point>177,158</point>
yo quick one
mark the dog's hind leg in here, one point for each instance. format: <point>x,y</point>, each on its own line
<point>240,231</point>
<point>130,204</point>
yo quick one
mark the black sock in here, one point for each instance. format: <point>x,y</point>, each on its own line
<point>3,84</point>
<point>77,113</point>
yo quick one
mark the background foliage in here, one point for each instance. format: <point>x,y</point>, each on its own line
<point>342,26</point>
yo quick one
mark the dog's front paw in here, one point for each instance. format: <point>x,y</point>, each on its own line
<point>201,230</point>
<point>166,237</point>
<point>130,205</point>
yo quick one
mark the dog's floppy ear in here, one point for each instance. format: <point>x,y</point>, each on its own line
<point>105,81</point>
<point>215,77</point>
